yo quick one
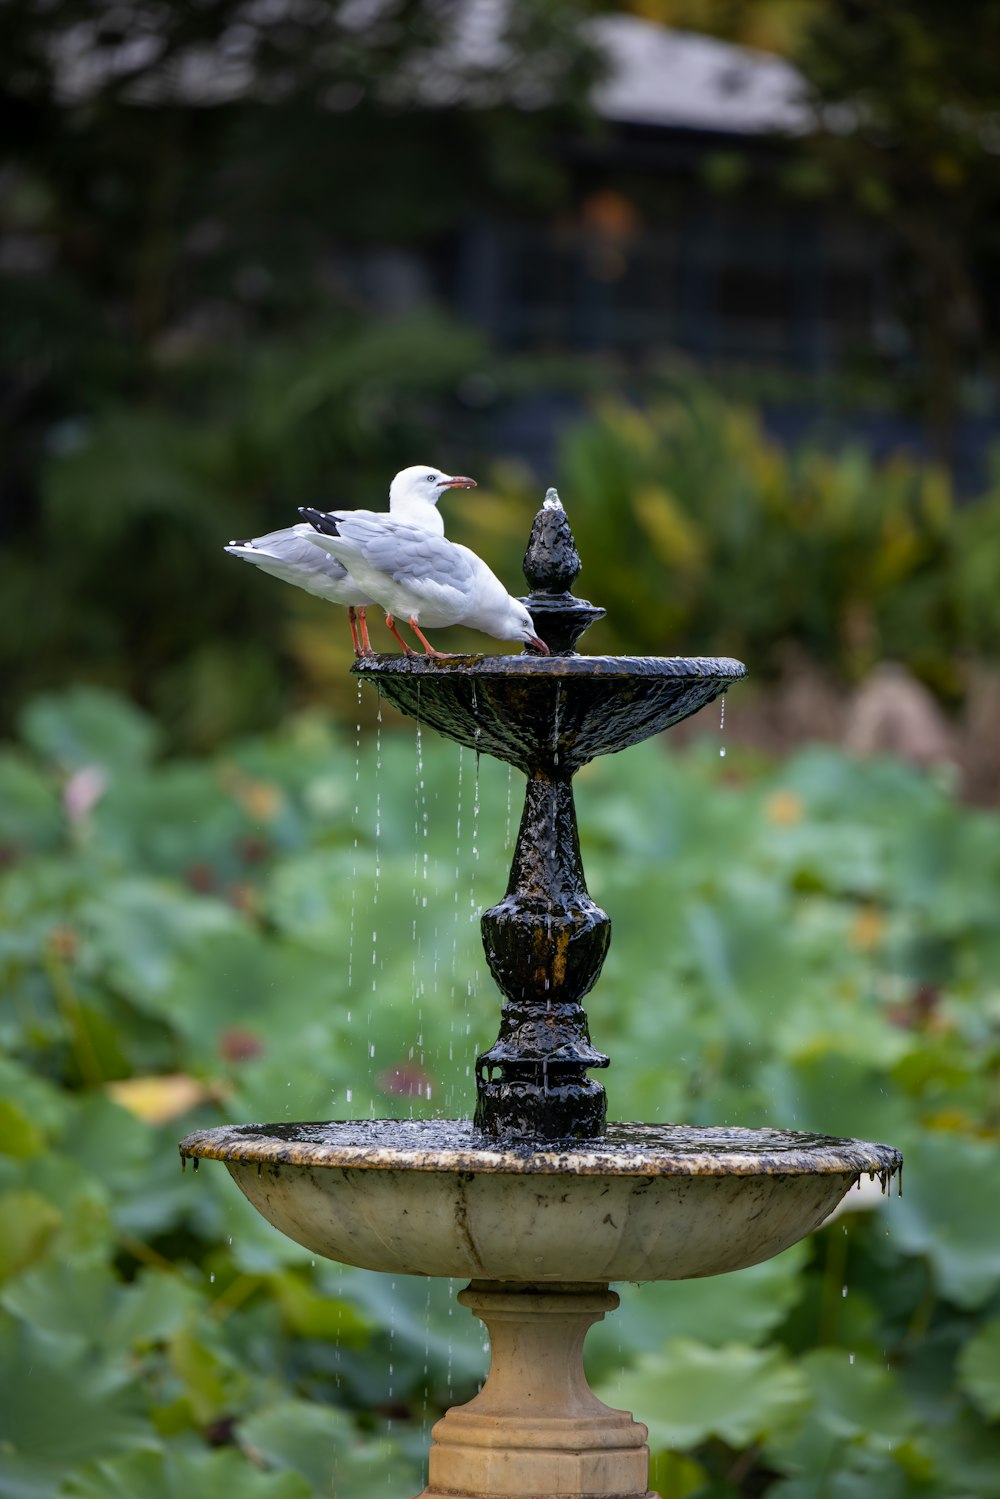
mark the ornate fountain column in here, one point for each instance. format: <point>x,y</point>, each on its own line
<point>545,944</point>
<point>546,941</point>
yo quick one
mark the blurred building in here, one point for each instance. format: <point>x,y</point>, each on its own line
<point>683,238</point>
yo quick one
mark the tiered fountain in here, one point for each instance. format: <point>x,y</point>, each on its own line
<point>537,1200</point>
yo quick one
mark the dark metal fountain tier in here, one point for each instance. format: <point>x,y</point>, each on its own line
<point>546,941</point>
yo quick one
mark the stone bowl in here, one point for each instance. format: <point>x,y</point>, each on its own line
<point>645,1202</point>
<point>549,712</point>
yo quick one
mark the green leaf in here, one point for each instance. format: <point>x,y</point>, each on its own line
<point>183,1475</point>
<point>89,726</point>
<point>311,1315</point>
<point>69,1303</point>
<point>143,930</point>
<point>152,1308</point>
<point>746,1305</point>
<point>856,1404</point>
<point>852,1474</point>
<point>213,1382</point>
<point>979,1369</point>
<point>950,1211</point>
<point>28,1222</point>
<point>54,1411</point>
<point>84,1307</point>
<point>688,1393</point>
<point>967,1455</point>
<point>321,1444</point>
<point>19,1135</point>
<point>676,1477</point>
<point>30,814</point>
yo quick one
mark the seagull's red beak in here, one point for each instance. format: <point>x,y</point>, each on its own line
<point>458,482</point>
<point>539,645</point>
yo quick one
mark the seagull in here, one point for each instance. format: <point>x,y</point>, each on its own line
<point>421,577</point>
<point>292,555</point>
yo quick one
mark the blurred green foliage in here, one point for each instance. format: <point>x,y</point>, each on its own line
<point>136,504</point>
<point>709,537</point>
<point>199,204</point>
<point>704,536</point>
<point>258,935</point>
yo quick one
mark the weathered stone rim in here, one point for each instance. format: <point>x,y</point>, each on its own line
<point>525,665</point>
<point>792,1154</point>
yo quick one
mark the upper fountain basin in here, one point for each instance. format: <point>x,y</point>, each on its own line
<point>551,713</point>
<point>644,1202</point>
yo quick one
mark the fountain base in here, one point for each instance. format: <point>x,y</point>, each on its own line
<point>536,1429</point>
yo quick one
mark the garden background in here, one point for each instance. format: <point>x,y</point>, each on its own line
<point>212,848</point>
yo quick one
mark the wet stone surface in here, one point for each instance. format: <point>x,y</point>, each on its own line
<point>549,713</point>
<point>624,1149</point>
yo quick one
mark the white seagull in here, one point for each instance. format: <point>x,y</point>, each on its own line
<point>293,556</point>
<point>421,577</point>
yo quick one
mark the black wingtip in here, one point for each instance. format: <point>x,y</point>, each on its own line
<point>319,520</point>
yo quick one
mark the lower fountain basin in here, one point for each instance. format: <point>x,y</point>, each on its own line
<point>645,1202</point>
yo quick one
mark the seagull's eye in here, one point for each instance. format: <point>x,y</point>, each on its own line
<point>431,478</point>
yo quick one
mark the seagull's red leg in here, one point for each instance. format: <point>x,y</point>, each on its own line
<point>366,645</point>
<point>351,615</point>
<point>391,627</point>
<point>423,639</point>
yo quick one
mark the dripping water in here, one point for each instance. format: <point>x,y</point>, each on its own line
<point>354,859</point>
<point>419,840</point>
<point>378,874</point>
<point>475,811</point>
<point>456,914</point>
<point>722,723</point>
<point>470,988</point>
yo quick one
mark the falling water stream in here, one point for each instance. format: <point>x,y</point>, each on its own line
<point>355,816</point>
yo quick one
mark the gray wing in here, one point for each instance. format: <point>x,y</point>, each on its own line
<point>406,554</point>
<point>292,556</point>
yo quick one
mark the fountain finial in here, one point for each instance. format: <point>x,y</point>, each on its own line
<point>551,566</point>
<point>551,562</point>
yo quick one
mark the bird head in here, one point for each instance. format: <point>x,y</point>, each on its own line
<point>523,627</point>
<point>423,485</point>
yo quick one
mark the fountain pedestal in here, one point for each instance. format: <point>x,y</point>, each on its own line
<point>536,1428</point>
